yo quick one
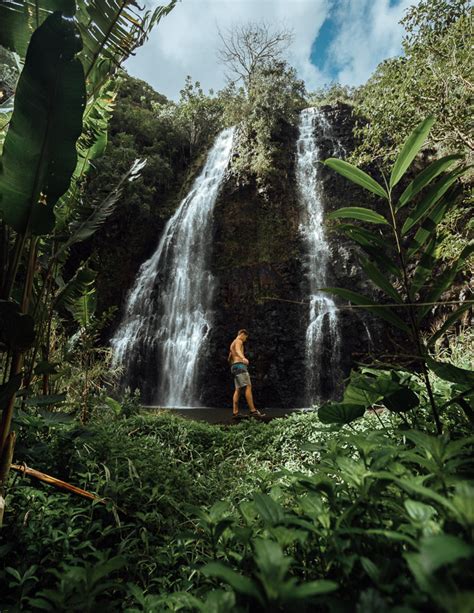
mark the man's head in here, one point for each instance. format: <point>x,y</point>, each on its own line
<point>243,335</point>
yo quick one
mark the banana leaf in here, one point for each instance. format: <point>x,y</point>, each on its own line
<point>20,18</point>
<point>111,31</point>
<point>39,156</point>
<point>83,308</point>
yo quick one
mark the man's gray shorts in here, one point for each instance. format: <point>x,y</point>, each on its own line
<point>241,375</point>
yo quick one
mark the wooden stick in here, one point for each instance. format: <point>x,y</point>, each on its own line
<point>36,474</point>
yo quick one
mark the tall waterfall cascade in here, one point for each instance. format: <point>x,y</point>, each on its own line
<point>168,314</point>
<point>323,337</point>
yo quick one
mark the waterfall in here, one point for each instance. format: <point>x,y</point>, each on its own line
<point>168,314</point>
<point>323,338</point>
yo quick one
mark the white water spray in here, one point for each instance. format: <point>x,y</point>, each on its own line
<point>168,314</point>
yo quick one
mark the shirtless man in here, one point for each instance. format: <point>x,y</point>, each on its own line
<point>238,368</point>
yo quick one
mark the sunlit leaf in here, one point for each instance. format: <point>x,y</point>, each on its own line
<point>360,213</point>
<point>410,149</point>
<point>357,176</point>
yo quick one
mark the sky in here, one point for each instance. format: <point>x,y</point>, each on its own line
<point>334,40</point>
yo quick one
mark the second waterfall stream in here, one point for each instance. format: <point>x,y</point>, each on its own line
<point>168,314</point>
<point>323,329</point>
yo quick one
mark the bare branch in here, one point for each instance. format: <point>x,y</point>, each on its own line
<point>248,47</point>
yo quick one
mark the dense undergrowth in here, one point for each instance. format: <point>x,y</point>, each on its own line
<point>256,517</point>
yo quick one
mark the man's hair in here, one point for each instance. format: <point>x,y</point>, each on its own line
<point>243,331</point>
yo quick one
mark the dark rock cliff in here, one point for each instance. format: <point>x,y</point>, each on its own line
<point>259,261</point>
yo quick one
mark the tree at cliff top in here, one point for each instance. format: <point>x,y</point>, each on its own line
<point>247,48</point>
<point>433,77</point>
<point>273,100</point>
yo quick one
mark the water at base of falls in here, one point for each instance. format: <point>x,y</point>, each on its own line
<point>323,338</point>
<point>169,310</point>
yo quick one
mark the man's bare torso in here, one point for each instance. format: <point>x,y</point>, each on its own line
<point>236,352</point>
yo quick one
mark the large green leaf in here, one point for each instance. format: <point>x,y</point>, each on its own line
<point>20,18</point>
<point>409,150</point>
<point>369,305</point>
<point>340,413</point>
<point>401,400</point>
<point>382,388</point>
<point>313,588</point>
<point>90,146</point>
<point>433,196</point>
<point>380,279</point>
<point>373,244</point>
<point>360,213</point>
<point>357,176</point>
<point>360,392</point>
<point>269,510</point>
<point>241,584</point>
<point>39,156</point>
<point>449,372</point>
<point>441,549</point>
<point>425,177</point>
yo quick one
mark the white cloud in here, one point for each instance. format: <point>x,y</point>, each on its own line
<point>186,41</point>
<point>368,32</point>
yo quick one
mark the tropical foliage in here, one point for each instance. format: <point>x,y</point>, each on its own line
<point>404,270</point>
<point>258,517</point>
<point>65,86</point>
<point>432,77</point>
<point>365,504</point>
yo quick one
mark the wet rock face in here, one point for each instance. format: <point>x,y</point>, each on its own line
<point>259,261</point>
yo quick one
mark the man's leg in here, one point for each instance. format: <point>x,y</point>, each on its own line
<point>235,401</point>
<point>249,398</point>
